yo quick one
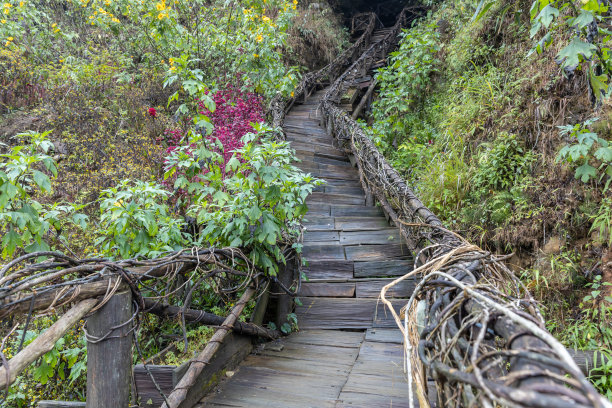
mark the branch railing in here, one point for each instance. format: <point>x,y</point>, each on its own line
<point>470,326</point>
<point>280,105</point>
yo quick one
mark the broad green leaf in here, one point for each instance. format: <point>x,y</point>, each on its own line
<point>586,172</point>
<point>571,55</point>
<point>42,180</point>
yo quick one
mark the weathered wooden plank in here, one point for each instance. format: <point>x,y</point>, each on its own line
<point>309,352</point>
<point>372,288</point>
<point>372,237</point>
<point>343,161</point>
<point>321,236</point>
<point>318,223</point>
<point>375,252</point>
<point>336,198</point>
<point>109,362</point>
<point>355,211</point>
<point>335,313</point>
<point>60,404</point>
<point>352,190</point>
<point>325,289</point>
<point>360,223</point>
<point>328,270</point>
<point>318,209</point>
<point>385,336</point>
<point>383,317</point>
<point>325,175</point>
<point>323,251</point>
<point>335,338</point>
<point>396,267</point>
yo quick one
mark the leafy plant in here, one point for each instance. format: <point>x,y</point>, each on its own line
<point>602,222</point>
<point>591,154</point>
<point>255,200</point>
<point>135,223</point>
<point>24,221</point>
<point>589,37</point>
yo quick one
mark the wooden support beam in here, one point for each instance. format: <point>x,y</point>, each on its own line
<point>286,276</point>
<point>209,319</point>
<point>203,359</point>
<point>44,342</point>
<point>109,353</point>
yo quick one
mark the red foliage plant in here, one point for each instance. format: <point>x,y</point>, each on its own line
<point>235,111</point>
<point>152,112</point>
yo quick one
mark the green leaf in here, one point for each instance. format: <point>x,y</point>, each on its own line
<point>42,180</point>
<point>571,55</point>
<point>10,242</point>
<point>586,172</point>
<point>547,15</point>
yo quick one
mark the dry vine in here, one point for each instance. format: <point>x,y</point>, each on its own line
<point>470,325</point>
<point>35,289</point>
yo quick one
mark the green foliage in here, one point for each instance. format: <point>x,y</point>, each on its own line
<point>602,222</point>
<point>589,37</point>
<point>404,81</point>
<point>59,374</point>
<point>256,201</point>
<point>26,222</point>
<point>136,222</point>
<point>589,153</point>
<point>497,187</point>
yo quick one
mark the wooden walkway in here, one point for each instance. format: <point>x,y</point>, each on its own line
<point>349,351</point>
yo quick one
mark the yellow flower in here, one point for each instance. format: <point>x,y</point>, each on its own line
<point>21,4</point>
<point>256,55</point>
<point>259,38</point>
<point>3,21</point>
<point>10,38</point>
<point>292,94</point>
<point>161,16</point>
<point>53,25</point>
<point>160,6</point>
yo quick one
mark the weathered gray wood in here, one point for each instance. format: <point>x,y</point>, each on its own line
<point>376,252</point>
<point>360,223</point>
<point>322,236</point>
<point>319,223</point>
<point>336,198</point>
<point>339,289</point>
<point>383,236</point>
<point>328,270</point>
<point>109,362</point>
<point>355,211</point>
<point>385,336</point>
<point>371,288</point>
<point>338,313</point>
<point>330,250</point>
<point>371,269</point>
<point>286,276</point>
<point>60,404</point>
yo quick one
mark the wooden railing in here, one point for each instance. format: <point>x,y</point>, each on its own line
<point>470,324</point>
<point>279,106</point>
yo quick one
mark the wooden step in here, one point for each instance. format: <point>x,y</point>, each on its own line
<point>376,252</point>
<point>394,267</point>
<point>345,270</point>
<point>365,288</point>
<point>373,237</point>
<point>360,223</point>
<point>344,313</point>
<point>329,270</point>
<point>339,210</point>
<point>323,251</point>
<point>330,198</point>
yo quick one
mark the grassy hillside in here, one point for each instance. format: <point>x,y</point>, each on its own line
<point>511,147</point>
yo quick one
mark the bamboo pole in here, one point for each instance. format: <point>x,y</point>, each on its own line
<point>196,366</point>
<point>44,342</point>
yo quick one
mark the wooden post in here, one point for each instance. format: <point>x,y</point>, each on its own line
<point>109,362</point>
<point>285,301</point>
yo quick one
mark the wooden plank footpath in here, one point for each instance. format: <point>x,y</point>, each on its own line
<point>347,352</point>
